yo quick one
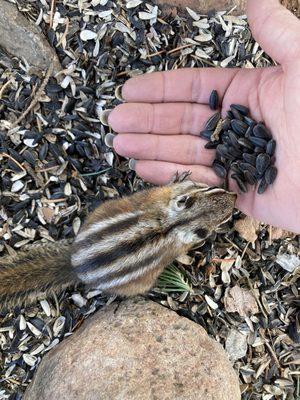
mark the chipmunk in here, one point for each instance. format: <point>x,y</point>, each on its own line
<point>122,247</point>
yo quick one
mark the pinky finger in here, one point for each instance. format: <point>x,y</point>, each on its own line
<point>160,172</point>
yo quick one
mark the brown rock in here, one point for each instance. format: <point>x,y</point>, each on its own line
<point>140,351</point>
<point>22,39</point>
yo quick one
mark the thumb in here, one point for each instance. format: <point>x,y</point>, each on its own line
<point>275,28</point>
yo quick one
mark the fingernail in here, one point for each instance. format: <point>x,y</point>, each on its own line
<point>132,164</point>
<point>109,139</point>
<point>104,117</point>
<point>118,93</point>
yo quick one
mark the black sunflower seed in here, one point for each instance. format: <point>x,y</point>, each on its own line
<point>12,165</point>
<point>250,178</point>
<point>249,132</point>
<point>43,151</point>
<point>262,162</point>
<point>239,127</point>
<point>211,145</point>
<point>230,115</point>
<point>206,134</point>
<point>249,121</point>
<point>235,152</point>
<point>237,114</point>
<point>241,109</point>
<point>226,139</point>
<point>29,157</point>
<point>235,167</point>
<point>240,183</point>
<point>271,174</point>
<point>226,124</point>
<point>219,169</point>
<point>271,146</point>
<point>244,166</point>
<point>261,131</point>
<point>259,150</point>
<point>250,158</point>
<point>212,122</point>
<point>18,157</point>
<point>243,141</point>
<point>259,142</point>
<point>214,100</point>
<point>234,139</point>
<point>262,186</point>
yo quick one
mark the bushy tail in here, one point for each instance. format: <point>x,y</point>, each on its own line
<point>35,272</point>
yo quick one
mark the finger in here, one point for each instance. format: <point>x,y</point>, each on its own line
<point>170,119</point>
<point>182,85</point>
<point>161,173</point>
<point>275,28</point>
<point>181,149</point>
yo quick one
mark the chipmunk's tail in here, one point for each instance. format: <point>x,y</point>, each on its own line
<point>34,273</point>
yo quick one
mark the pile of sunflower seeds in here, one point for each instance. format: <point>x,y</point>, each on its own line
<point>242,146</point>
<point>55,168</point>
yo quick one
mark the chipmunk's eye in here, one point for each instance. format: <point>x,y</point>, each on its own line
<point>185,202</point>
<point>181,202</point>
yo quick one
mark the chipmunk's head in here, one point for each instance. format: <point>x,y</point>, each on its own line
<point>198,209</point>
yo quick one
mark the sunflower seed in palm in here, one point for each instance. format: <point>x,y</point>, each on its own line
<point>212,122</point>
<point>250,178</point>
<point>240,108</point>
<point>249,158</point>
<point>261,131</point>
<point>234,139</point>
<point>237,115</point>
<point>242,186</point>
<point>219,169</point>
<point>262,186</point>
<point>240,127</point>
<point>244,166</point>
<point>214,100</point>
<point>259,142</point>
<point>271,174</point>
<point>206,134</point>
<point>243,141</point>
<point>262,162</point>
<point>271,146</point>
<point>211,145</point>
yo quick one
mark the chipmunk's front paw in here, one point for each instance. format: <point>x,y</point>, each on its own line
<point>180,177</point>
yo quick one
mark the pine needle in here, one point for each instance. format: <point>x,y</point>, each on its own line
<point>173,279</point>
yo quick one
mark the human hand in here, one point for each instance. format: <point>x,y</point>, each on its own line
<point>165,111</point>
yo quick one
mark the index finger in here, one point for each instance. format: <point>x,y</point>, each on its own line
<point>183,85</point>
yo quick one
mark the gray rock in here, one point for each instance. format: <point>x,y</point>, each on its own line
<point>139,351</point>
<point>23,39</point>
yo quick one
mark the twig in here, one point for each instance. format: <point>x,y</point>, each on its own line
<point>36,97</point>
<point>180,48</point>
<point>53,5</point>
<point>270,235</point>
<point>2,90</point>
<point>273,354</point>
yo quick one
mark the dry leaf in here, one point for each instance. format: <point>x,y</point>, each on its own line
<point>247,228</point>
<point>241,301</point>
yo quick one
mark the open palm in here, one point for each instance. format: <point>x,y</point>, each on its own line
<point>160,123</point>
